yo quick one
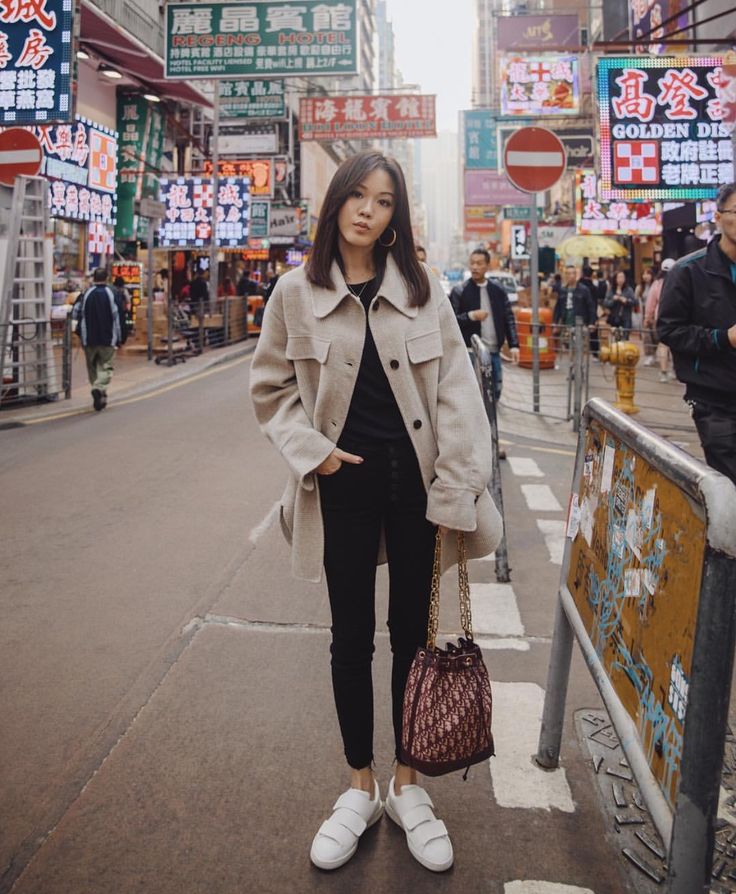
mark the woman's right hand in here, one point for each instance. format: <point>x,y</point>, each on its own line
<point>335,460</point>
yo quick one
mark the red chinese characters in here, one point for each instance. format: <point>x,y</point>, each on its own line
<point>677,89</point>
<point>633,102</point>
<point>27,11</point>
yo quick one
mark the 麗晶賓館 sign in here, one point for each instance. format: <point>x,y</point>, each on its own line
<point>661,134</point>
<point>261,39</point>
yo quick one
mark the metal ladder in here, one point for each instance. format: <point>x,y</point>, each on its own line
<point>26,352</point>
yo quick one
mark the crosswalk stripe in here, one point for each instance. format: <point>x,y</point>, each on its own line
<point>517,780</point>
<point>534,887</point>
<point>495,610</point>
<point>539,498</point>
<point>524,467</point>
<point>553,531</point>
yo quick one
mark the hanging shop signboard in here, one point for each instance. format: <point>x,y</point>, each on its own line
<point>142,131</point>
<point>480,220</point>
<point>188,221</point>
<point>37,61</point>
<point>479,138</point>
<point>661,133</point>
<point>260,172</point>
<point>532,33</point>
<point>579,143</point>
<point>596,216</point>
<point>262,39</point>
<point>243,139</point>
<point>288,223</point>
<point>491,188</point>
<point>132,274</point>
<point>646,18</point>
<point>252,99</point>
<point>260,219</point>
<point>540,85</point>
<point>367,117</point>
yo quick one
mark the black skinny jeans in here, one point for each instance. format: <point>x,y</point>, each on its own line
<point>385,491</point>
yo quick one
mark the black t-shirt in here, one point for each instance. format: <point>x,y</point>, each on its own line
<point>374,415</point>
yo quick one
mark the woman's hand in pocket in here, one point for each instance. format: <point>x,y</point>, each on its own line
<point>335,460</point>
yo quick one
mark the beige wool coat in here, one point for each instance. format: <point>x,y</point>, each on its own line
<point>302,378</point>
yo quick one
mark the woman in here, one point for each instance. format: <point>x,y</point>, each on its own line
<point>362,381</point>
<point>638,319</point>
<point>620,302</point>
<point>651,313</point>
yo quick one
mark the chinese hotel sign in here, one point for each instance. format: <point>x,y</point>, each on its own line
<point>367,117</point>
<point>271,39</point>
<point>36,61</point>
<point>661,134</point>
<point>595,216</point>
<point>188,221</point>
<point>252,99</point>
<point>541,85</point>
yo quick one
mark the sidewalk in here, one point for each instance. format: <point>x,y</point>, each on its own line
<point>134,376</point>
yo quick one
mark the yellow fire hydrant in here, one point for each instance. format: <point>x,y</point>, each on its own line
<point>623,355</point>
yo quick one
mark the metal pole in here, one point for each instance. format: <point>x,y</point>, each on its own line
<point>578,375</point>
<point>558,676</point>
<point>215,151</point>
<point>150,288</point>
<point>67,351</point>
<point>534,265</point>
<point>484,372</point>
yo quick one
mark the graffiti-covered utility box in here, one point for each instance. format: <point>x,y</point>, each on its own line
<point>647,590</point>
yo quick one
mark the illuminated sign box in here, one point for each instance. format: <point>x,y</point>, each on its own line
<point>595,216</point>
<point>188,220</point>
<point>661,134</point>
<point>540,85</point>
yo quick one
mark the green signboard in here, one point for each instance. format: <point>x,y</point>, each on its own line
<point>140,147</point>
<point>520,212</point>
<point>252,99</point>
<point>260,220</point>
<point>261,39</point>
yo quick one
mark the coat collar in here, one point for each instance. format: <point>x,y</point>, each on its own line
<point>393,289</point>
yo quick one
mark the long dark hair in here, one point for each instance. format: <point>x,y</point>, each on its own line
<point>326,249</point>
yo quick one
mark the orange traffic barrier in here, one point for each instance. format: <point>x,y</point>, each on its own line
<point>546,341</point>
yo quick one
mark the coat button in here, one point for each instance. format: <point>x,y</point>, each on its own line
<point>417,423</point>
<point>394,364</point>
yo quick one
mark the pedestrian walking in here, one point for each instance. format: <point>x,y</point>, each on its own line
<point>575,300</point>
<point>641,293</point>
<point>620,302</point>
<point>199,295</point>
<point>697,320</point>
<point>361,380</point>
<point>662,353</point>
<point>587,280</point>
<point>100,316</point>
<point>483,308</point>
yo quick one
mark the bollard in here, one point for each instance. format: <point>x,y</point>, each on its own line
<point>623,355</point>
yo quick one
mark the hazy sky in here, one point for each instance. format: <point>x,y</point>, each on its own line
<point>434,48</point>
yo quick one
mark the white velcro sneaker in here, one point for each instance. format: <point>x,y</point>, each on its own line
<point>337,838</point>
<point>426,836</point>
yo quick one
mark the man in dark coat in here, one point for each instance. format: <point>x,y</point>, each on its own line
<point>697,321</point>
<point>100,316</point>
<point>483,308</point>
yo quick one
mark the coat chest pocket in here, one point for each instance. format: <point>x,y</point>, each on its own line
<point>424,347</point>
<point>307,347</point>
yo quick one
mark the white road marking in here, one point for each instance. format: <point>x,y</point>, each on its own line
<point>539,498</point>
<point>553,531</point>
<point>531,887</point>
<point>261,528</point>
<point>517,780</point>
<point>525,467</point>
<point>495,610</point>
<point>515,645</point>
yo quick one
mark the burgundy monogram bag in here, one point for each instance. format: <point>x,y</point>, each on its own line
<point>447,701</point>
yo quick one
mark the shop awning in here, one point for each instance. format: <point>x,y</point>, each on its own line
<point>102,35</point>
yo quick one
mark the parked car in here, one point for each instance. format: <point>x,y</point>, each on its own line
<point>508,283</point>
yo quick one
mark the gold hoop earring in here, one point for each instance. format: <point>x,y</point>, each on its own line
<point>387,244</point>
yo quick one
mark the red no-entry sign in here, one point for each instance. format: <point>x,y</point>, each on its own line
<point>534,159</point>
<point>20,153</point>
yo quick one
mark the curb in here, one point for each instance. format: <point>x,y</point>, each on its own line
<point>56,407</point>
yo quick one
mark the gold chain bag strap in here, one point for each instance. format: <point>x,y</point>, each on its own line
<point>447,701</point>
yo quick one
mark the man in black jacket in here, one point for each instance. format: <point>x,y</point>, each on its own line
<point>101,327</point>
<point>483,308</point>
<point>575,300</point>
<point>697,321</point>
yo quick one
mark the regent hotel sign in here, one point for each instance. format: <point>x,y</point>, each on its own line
<point>661,130</point>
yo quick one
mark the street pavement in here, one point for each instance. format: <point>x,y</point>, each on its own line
<point>168,718</point>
